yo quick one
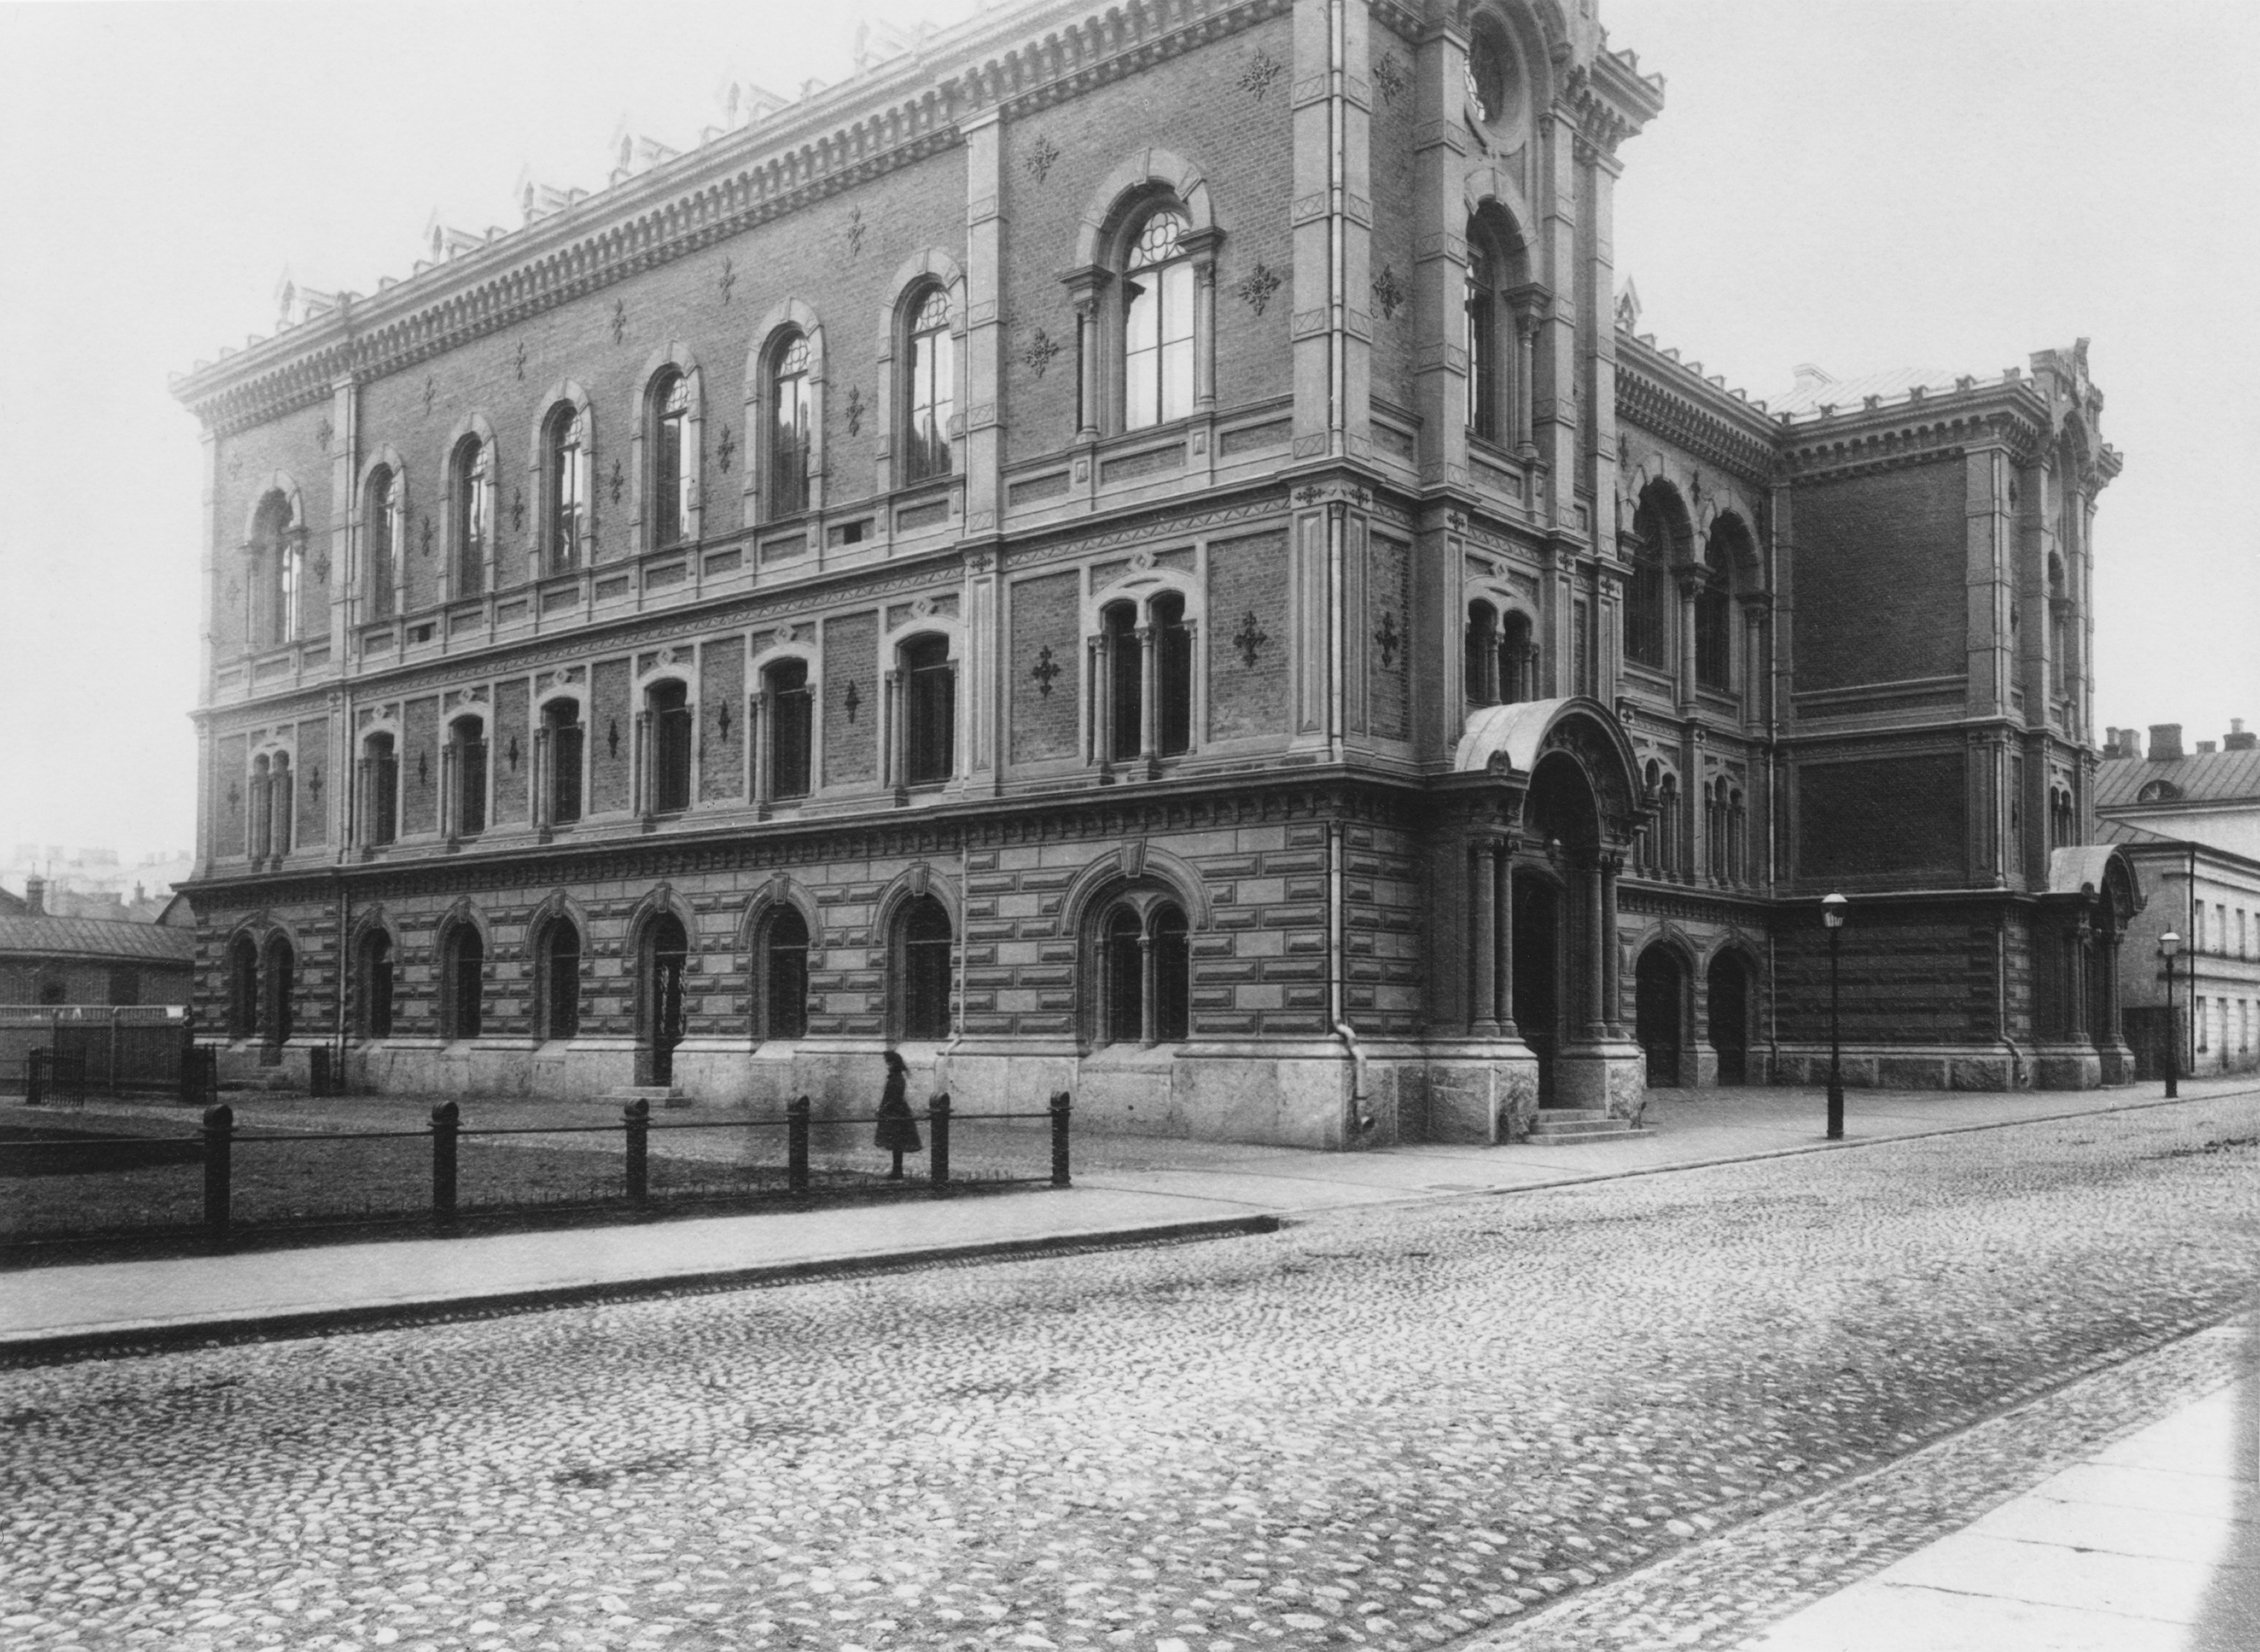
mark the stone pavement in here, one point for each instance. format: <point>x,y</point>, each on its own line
<point>1128,1189</point>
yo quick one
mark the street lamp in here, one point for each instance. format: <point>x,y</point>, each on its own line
<point>1832,913</point>
<point>2170,944</point>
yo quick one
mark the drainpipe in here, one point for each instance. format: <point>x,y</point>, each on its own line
<point>1361,1118</point>
<point>2189,928</point>
<point>345,967</point>
<point>1337,206</point>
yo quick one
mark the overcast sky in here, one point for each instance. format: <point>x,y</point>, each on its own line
<point>1859,186</point>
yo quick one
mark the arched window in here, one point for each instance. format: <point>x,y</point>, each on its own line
<point>1143,678</point>
<point>922,969</point>
<point>466,794</point>
<point>380,517</point>
<point>374,969</point>
<point>462,989</point>
<point>784,955</point>
<point>791,727</point>
<point>472,488</point>
<point>792,417</point>
<point>565,460</point>
<point>671,478</point>
<point>1174,693</point>
<point>1658,539</point>
<point>2059,631</point>
<point>380,791</point>
<point>1714,617</point>
<point>277,551</point>
<point>667,709</point>
<point>1667,825</point>
<point>1482,654</point>
<point>1482,323</point>
<point>1157,320</point>
<point>927,695</point>
<point>258,818</point>
<point>558,960</point>
<point>1517,659</point>
<point>930,386</point>
<point>1738,840</point>
<point>1125,661</point>
<point>242,988</point>
<point>1146,973</point>
<point>279,795</point>
<point>561,749</point>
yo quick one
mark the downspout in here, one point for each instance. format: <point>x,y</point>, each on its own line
<point>1337,206</point>
<point>944,1077</point>
<point>1361,1120</point>
<point>345,966</point>
<point>2189,929</point>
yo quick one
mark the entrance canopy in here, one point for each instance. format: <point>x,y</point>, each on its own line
<point>1512,741</point>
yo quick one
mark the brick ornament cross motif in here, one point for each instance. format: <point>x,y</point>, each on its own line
<point>1045,670</point>
<point>428,537</point>
<point>1263,70</point>
<point>518,507</point>
<point>620,319</point>
<point>1387,640</point>
<point>1042,159</point>
<point>727,280</point>
<point>325,433</point>
<point>855,409</point>
<point>1039,352</point>
<point>727,450</point>
<point>1249,639</point>
<point>430,392</point>
<point>518,360</point>
<point>851,699</point>
<point>1257,286</point>
<point>856,232</point>
<point>1388,293</point>
<point>314,784</point>
<point>618,480</point>
<point>1389,78</point>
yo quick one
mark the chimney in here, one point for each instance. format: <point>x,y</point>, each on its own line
<point>2165,742</point>
<point>2205,748</point>
<point>2238,740</point>
<point>2110,744</point>
<point>2130,742</point>
<point>35,896</point>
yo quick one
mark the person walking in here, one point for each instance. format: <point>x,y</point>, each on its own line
<point>897,1129</point>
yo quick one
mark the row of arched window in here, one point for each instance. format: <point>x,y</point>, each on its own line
<point>1663,851</point>
<point>1141,951</point>
<point>1664,564</point>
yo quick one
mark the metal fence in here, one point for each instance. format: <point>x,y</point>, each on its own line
<point>220,1148</point>
<point>137,1050</point>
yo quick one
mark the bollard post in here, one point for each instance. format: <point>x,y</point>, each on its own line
<point>938,1119</point>
<point>637,1115</point>
<point>446,1120</point>
<point>795,1144</point>
<point>1061,1104</point>
<point>219,1136</point>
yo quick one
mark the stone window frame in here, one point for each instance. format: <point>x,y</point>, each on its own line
<point>473,437</point>
<point>756,939</point>
<point>387,599</point>
<point>790,319</point>
<point>648,735</point>
<point>894,675</point>
<point>761,720</point>
<point>1504,606</point>
<point>924,272</point>
<point>1140,590</point>
<point>675,361</point>
<point>464,920</point>
<point>544,477</point>
<point>542,789</point>
<point>274,587</point>
<point>369,832</point>
<point>1149,182</point>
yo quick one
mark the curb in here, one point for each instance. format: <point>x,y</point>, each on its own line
<point>43,1347</point>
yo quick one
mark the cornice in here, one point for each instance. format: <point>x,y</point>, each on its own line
<point>1738,440</point>
<point>1915,433</point>
<point>745,178</point>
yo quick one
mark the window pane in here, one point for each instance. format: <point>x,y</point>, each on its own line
<point>668,479</point>
<point>565,772</point>
<point>930,688</point>
<point>671,758</point>
<point>1124,965</point>
<point>791,707</point>
<point>925,969</point>
<point>1172,976</point>
<point>788,975</point>
<point>1127,685</point>
<point>471,784</point>
<point>1177,684</point>
<point>564,982</point>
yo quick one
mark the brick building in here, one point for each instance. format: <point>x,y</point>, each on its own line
<point>1133,549</point>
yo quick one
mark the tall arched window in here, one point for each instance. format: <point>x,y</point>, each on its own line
<point>279,805</point>
<point>374,969</point>
<point>927,695</point>
<point>1146,973</point>
<point>792,417</point>
<point>922,972</point>
<point>1482,663</point>
<point>783,953</point>
<point>791,726</point>
<point>2059,629</point>
<point>1657,541</point>
<point>466,760</point>
<point>671,479</point>
<point>930,387</point>
<point>1481,328</point>
<point>382,519</point>
<point>1157,321</point>
<point>561,739</point>
<point>1142,677</point>
<point>1714,618</point>
<point>472,486</point>
<point>380,791</point>
<point>1738,840</point>
<point>565,459</point>
<point>1517,659</point>
<point>668,707</point>
<point>1126,680</point>
<point>1173,693</point>
<point>463,987</point>
<point>1667,826</point>
<point>278,554</point>
<point>558,959</point>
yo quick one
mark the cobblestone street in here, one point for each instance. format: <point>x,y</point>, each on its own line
<point>1389,1428</point>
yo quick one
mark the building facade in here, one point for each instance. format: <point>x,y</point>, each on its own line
<point>2189,822</point>
<point>1136,551</point>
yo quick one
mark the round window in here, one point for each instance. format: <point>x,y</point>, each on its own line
<point>1486,77</point>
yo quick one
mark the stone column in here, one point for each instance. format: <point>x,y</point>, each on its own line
<point>1525,363</point>
<point>1611,1015</point>
<point>1149,695</point>
<point>1482,941</point>
<point>1503,929</point>
<point>1598,969</point>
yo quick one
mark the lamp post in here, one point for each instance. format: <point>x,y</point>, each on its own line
<point>2170,944</point>
<point>1832,913</point>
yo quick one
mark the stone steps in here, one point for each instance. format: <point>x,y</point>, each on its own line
<point>657,1095</point>
<point>1560,1126</point>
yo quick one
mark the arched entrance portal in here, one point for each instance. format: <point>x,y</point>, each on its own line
<point>1660,992</point>
<point>1538,973</point>
<point>1730,1017</point>
<point>664,952</point>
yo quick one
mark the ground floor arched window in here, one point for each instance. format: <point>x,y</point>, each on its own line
<point>783,994</point>
<point>558,962</point>
<point>373,967</point>
<point>1145,967</point>
<point>462,988</point>
<point>242,988</point>
<point>923,947</point>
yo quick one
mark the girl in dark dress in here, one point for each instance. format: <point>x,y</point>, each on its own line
<point>898,1131</point>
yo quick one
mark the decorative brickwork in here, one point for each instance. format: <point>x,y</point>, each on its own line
<point>1249,576</point>
<point>1046,692</point>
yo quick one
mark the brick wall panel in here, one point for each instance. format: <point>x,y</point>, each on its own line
<point>420,765</point>
<point>1045,714</point>
<point>1248,578</point>
<point>1879,565</point>
<point>722,686</point>
<point>611,744</point>
<point>851,748</point>
<point>510,779</point>
<point>313,773</point>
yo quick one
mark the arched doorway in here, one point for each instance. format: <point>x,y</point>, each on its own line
<point>1537,958</point>
<point>665,952</point>
<point>1730,1017</point>
<point>274,1008</point>
<point>377,984</point>
<point>1660,990</point>
<point>242,988</point>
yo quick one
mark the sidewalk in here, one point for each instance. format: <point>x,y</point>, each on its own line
<point>1128,1189</point>
<point>2151,1545</point>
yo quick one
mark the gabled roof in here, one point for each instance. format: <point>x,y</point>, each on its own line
<point>92,938</point>
<point>2201,777</point>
